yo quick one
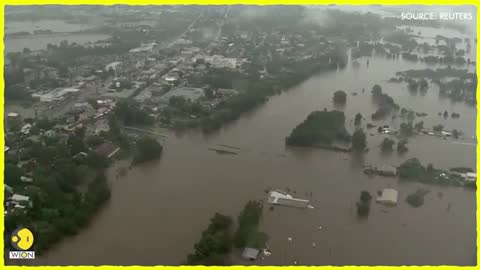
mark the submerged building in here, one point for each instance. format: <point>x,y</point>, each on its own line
<point>389,196</point>
<point>278,197</point>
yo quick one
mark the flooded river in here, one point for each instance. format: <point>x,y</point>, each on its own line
<point>158,211</point>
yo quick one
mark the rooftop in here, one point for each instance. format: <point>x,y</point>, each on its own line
<point>389,196</point>
<point>250,253</point>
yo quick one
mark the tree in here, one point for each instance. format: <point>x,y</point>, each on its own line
<point>365,196</point>
<point>147,149</point>
<point>423,85</point>
<point>430,168</point>
<point>445,114</point>
<point>416,199</point>
<point>411,168</point>
<point>359,140</point>
<point>455,134</point>
<point>363,206</point>
<point>438,128</point>
<point>406,130</point>
<point>98,192</point>
<point>358,119</point>
<point>387,145</point>
<point>419,125</point>
<point>320,127</point>
<point>209,93</point>
<point>94,140</point>
<point>129,113</point>
<point>340,97</point>
<point>215,243</point>
<point>402,146</point>
<point>248,221</point>
<point>80,132</point>
<point>12,175</point>
<point>96,161</point>
<point>76,144</point>
<point>376,90</point>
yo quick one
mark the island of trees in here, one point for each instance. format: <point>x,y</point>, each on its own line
<point>321,128</point>
<point>219,239</point>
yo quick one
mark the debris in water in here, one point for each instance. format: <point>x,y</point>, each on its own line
<point>319,227</point>
<point>222,152</point>
<point>314,244</point>
<point>290,239</point>
<point>267,252</point>
<point>310,206</point>
<point>229,146</point>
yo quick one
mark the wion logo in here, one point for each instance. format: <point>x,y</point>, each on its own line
<point>22,241</point>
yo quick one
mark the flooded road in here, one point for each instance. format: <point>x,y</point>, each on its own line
<point>158,211</point>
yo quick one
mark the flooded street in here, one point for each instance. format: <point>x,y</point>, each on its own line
<point>158,211</point>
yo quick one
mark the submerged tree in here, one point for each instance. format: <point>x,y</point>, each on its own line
<point>340,97</point>
<point>358,119</point>
<point>387,145</point>
<point>359,140</point>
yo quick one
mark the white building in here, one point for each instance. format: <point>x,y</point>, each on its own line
<point>470,177</point>
<point>389,196</point>
<point>20,198</point>
<point>145,48</point>
<point>55,95</point>
<point>26,129</point>
<point>26,179</point>
<point>113,65</point>
<point>277,197</point>
<point>49,133</point>
<point>8,188</point>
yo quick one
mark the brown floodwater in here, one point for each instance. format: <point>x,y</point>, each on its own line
<point>158,211</point>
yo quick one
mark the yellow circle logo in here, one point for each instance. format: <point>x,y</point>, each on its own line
<point>22,239</point>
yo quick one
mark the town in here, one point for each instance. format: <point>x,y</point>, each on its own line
<point>252,88</point>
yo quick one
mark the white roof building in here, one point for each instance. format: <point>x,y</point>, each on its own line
<point>8,188</point>
<point>144,48</point>
<point>282,198</point>
<point>20,198</point>
<point>26,129</point>
<point>12,114</point>
<point>26,179</point>
<point>389,196</point>
<point>250,253</point>
<point>55,95</point>
<point>113,66</point>
<point>470,177</point>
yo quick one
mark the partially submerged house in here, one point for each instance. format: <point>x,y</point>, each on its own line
<point>278,197</point>
<point>470,176</point>
<point>250,253</point>
<point>387,171</point>
<point>389,197</point>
